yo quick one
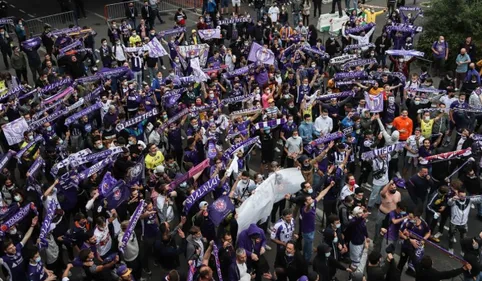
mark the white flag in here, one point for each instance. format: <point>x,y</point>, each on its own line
<point>14,130</point>
<point>156,49</point>
<point>199,74</point>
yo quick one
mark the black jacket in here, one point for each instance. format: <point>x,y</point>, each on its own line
<point>431,274</point>
<point>131,14</point>
<point>325,267</point>
<point>147,12</point>
<point>294,268</point>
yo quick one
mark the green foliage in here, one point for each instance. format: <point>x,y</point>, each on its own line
<point>453,19</point>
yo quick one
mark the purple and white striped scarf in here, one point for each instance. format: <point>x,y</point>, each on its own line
<point>64,31</point>
<point>40,113</point>
<point>248,111</point>
<point>358,46</point>
<point>336,95</point>
<point>350,75</point>
<point>430,90</point>
<point>316,51</point>
<point>172,120</point>
<point>137,119</point>
<point>132,224</point>
<point>228,154</point>
<point>20,215</point>
<point>88,172</point>
<point>472,110</point>
<point>218,263</point>
<point>88,79</point>
<point>369,155</point>
<point>346,66</point>
<point>6,157</point>
<point>12,92</point>
<point>53,86</point>
<point>269,124</point>
<point>71,119</point>
<point>80,160</point>
<point>404,53</point>
<point>32,171</point>
<point>173,31</point>
<point>45,229</point>
<point>69,160</point>
<point>27,147</point>
<point>75,44</point>
<point>347,83</point>
<point>359,29</point>
<point>67,91</point>
<point>236,99</point>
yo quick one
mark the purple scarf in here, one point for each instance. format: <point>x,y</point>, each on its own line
<point>18,216</point>
<point>6,157</point>
<point>199,193</point>
<point>327,138</point>
<point>358,46</point>
<point>45,229</point>
<point>218,263</point>
<point>60,95</point>
<point>48,119</point>
<point>403,53</point>
<point>132,224</point>
<point>12,92</point>
<point>137,119</point>
<point>228,153</point>
<point>172,120</point>
<point>350,75</point>
<point>173,31</point>
<point>71,119</point>
<point>32,171</point>
<point>95,168</point>
<point>359,29</point>
<point>336,95</point>
<point>64,31</point>
<point>359,62</point>
<point>369,155</point>
<point>55,85</point>
<point>27,147</point>
<point>77,43</point>
<point>93,95</point>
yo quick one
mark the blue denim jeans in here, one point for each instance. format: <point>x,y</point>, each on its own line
<point>308,245</point>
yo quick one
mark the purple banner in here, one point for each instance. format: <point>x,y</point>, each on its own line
<point>132,224</point>
<point>17,217</point>
<point>107,184</point>
<point>171,97</point>
<point>27,147</point>
<point>71,119</point>
<point>55,85</point>
<point>136,120</point>
<point>374,102</point>
<point>119,194</point>
<point>6,157</point>
<point>219,209</point>
<point>209,33</point>
<point>336,95</point>
<point>218,263</point>
<point>261,54</point>
<point>199,193</point>
<point>350,75</point>
<point>369,155</point>
<point>228,153</point>
<point>136,173</point>
<point>45,229</point>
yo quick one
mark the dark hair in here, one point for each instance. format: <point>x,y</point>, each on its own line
<point>84,254</point>
<point>374,257</point>
<point>194,229</point>
<point>333,218</point>
<point>306,116</point>
<point>286,212</point>
<point>6,243</point>
<point>426,262</point>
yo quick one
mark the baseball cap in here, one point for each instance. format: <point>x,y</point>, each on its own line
<point>357,210</point>
<point>123,270</point>
<point>203,204</point>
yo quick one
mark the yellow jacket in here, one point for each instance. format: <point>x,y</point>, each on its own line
<point>370,16</point>
<point>479,64</point>
<point>134,39</point>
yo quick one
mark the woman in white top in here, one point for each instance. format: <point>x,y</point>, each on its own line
<point>306,12</point>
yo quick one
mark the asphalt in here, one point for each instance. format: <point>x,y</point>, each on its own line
<point>28,9</point>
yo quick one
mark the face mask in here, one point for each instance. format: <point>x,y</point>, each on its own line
<point>476,246</point>
<point>49,128</point>
<point>335,240</point>
<point>105,44</point>
<point>403,213</point>
<point>427,118</point>
<point>13,231</point>
<point>310,191</point>
<point>61,141</point>
<point>197,239</point>
<point>416,102</point>
<point>17,198</point>
<point>38,259</point>
<point>461,101</point>
<point>413,221</point>
<point>352,182</point>
<point>134,34</point>
<point>211,96</point>
<point>30,138</point>
<point>338,225</point>
<point>389,126</point>
<point>290,122</point>
<point>324,116</point>
<point>329,253</point>
<point>393,191</point>
<point>288,254</point>
<point>100,146</point>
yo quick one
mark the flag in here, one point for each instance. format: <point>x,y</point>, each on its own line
<point>209,33</point>
<point>156,49</point>
<point>219,209</point>
<point>191,51</point>
<point>14,130</point>
<point>261,54</point>
<point>198,73</point>
<point>118,195</point>
<point>107,184</point>
<point>374,102</point>
<point>136,174</point>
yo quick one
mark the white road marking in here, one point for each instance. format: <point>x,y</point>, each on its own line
<point>32,16</point>
<point>22,11</point>
<point>12,6</point>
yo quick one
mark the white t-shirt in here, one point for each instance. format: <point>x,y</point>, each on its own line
<point>273,13</point>
<point>448,102</point>
<point>345,191</point>
<point>323,125</point>
<point>243,272</point>
<point>412,143</point>
<point>379,164</point>
<point>104,241</point>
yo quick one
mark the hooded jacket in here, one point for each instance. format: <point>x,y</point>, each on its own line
<point>471,255</point>
<point>325,266</point>
<point>245,242</point>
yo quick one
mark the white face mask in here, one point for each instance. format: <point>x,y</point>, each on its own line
<point>335,240</point>
<point>13,231</point>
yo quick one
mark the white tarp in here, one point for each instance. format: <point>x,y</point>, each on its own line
<point>258,206</point>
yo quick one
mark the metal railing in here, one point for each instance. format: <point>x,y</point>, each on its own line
<point>35,27</point>
<point>117,11</point>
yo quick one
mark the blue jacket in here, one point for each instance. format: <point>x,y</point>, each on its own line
<point>306,131</point>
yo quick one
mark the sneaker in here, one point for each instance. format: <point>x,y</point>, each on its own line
<point>398,175</point>
<point>280,142</point>
<point>472,206</point>
<point>454,240</point>
<point>456,89</point>
<point>368,185</point>
<point>163,67</point>
<point>277,150</point>
<point>268,248</point>
<point>436,240</point>
<point>438,235</point>
<point>451,251</point>
<point>147,271</point>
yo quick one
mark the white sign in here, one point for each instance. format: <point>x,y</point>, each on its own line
<point>331,22</point>
<point>14,130</point>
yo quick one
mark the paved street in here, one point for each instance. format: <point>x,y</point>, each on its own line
<point>28,9</point>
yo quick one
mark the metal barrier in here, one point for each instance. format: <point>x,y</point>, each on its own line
<point>35,26</point>
<point>117,11</point>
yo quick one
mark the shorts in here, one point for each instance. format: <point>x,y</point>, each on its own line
<point>224,3</point>
<point>236,2</point>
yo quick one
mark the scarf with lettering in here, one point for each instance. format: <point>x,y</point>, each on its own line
<point>76,116</point>
<point>6,157</point>
<point>132,224</point>
<point>199,193</point>
<point>27,147</point>
<point>228,153</point>
<point>350,75</point>
<point>358,46</point>
<point>369,155</point>
<point>12,92</point>
<point>137,119</point>
<point>248,111</point>
<point>359,29</point>
<point>172,120</point>
<point>348,83</point>
<point>327,138</point>
<point>346,66</point>
<point>46,224</point>
<point>405,53</point>
<point>336,95</point>
<point>17,217</point>
<point>55,85</point>
<point>268,124</point>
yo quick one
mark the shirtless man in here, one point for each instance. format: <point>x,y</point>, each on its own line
<point>390,196</point>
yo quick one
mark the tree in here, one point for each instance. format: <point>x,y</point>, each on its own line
<point>453,19</point>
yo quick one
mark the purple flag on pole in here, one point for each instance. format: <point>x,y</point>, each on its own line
<point>261,54</point>
<point>219,209</point>
<point>374,102</point>
<point>132,224</point>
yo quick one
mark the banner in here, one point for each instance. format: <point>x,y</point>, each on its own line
<point>55,85</point>
<point>259,205</point>
<point>191,51</point>
<point>171,97</point>
<point>208,34</point>
<point>336,95</point>
<point>234,20</point>
<point>27,147</point>
<point>199,193</point>
<point>107,184</point>
<point>198,73</point>
<point>173,31</point>
<point>261,54</point>
<point>76,116</point>
<point>374,102</point>
<point>358,46</point>
<point>369,155</point>
<point>404,53</point>
<point>216,259</point>
<point>331,22</point>
<point>228,153</point>
<point>156,50</point>
<point>346,66</point>
<point>194,171</point>
<point>75,44</point>
<point>45,229</point>
<point>14,131</point>
<point>350,75</point>
<point>219,209</point>
<point>137,119</point>
<point>17,217</point>
<point>132,224</point>
<point>118,195</point>
<point>6,157</point>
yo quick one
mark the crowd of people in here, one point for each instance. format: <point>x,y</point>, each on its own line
<point>111,167</point>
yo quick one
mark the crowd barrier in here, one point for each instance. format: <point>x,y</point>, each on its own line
<point>117,11</point>
<point>35,26</point>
